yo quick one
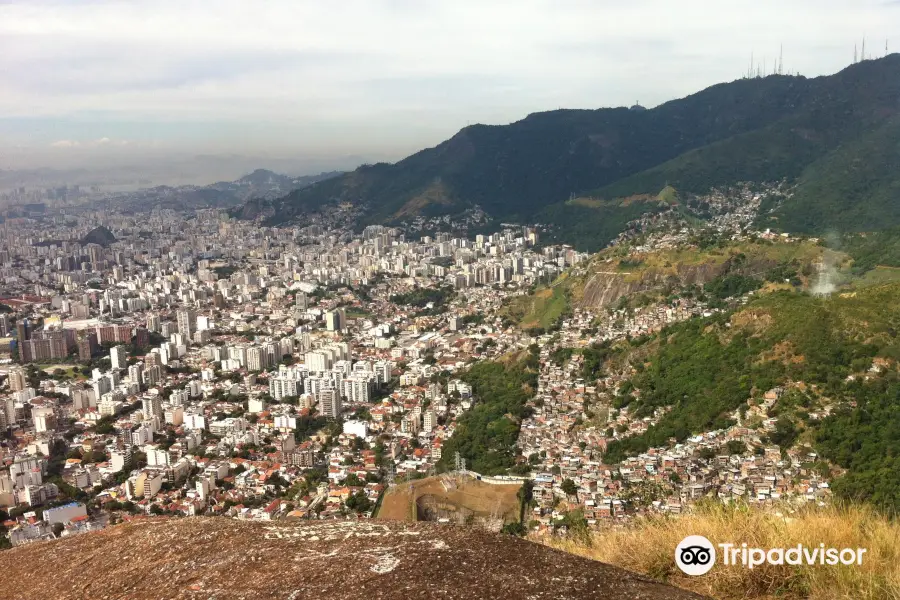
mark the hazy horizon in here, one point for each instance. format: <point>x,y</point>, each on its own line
<point>192,89</point>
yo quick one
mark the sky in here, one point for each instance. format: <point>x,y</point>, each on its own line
<point>321,84</point>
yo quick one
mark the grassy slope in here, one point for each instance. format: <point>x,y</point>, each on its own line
<point>646,546</point>
<point>541,309</point>
<point>761,254</point>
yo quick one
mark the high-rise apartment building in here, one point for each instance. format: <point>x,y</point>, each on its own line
<point>87,346</point>
<point>118,357</point>
<point>187,323</point>
<point>335,320</point>
<point>17,379</point>
<point>152,407</point>
<point>329,404</point>
<point>257,359</point>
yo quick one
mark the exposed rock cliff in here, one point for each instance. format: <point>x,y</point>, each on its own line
<point>605,288</point>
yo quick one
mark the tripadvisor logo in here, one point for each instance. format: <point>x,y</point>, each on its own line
<point>696,555</point>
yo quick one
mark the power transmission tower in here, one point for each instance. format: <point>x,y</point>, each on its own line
<point>391,473</point>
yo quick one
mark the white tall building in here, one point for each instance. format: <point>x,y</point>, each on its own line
<point>429,421</point>
<point>317,362</point>
<point>179,397</point>
<point>135,372</point>
<point>335,320</point>
<point>256,406</point>
<point>329,404</point>
<point>283,422</point>
<point>194,421</point>
<point>152,407</point>
<point>288,382</point>
<point>358,428</point>
<point>359,388</point>
<point>157,457</point>
<point>44,419</point>
<point>383,369</point>
<point>187,323</point>
<point>257,359</point>
<point>118,459</point>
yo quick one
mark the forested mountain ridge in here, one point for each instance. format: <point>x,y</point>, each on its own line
<point>747,130</point>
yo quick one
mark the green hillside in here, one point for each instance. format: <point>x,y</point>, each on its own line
<point>835,135</point>
<point>486,435</point>
<point>855,187</point>
<point>821,348</point>
<point>540,310</point>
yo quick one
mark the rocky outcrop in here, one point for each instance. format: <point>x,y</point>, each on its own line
<point>99,235</point>
<point>605,288</point>
<point>206,558</point>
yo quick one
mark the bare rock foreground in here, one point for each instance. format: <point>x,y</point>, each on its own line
<point>222,559</point>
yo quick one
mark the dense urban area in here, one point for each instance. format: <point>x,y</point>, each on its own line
<point>187,363</point>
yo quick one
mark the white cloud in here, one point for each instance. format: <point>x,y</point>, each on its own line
<point>396,74</point>
<point>64,144</point>
<point>102,142</point>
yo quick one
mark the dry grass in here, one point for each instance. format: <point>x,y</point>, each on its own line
<point>648,547</point>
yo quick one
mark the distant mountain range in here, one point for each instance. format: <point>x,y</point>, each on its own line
<point>837,136</point>
<point>260,184</point>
